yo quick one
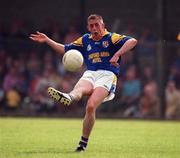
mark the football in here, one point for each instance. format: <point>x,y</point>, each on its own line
<point>72,60</point>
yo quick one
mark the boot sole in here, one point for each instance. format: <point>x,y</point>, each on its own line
<point>58,96</point>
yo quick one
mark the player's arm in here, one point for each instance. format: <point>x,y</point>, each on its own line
<point>127,46</point>
<point>42,38</point>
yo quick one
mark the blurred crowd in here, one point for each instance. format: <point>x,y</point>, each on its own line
<point>25,75</point>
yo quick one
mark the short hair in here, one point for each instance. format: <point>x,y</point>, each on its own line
<point>95,16</point>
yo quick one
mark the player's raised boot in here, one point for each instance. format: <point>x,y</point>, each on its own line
<point>60,97</point>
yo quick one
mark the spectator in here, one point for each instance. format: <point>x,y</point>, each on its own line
<point>13,99</point>
<point>150,103</point>
<point>131,91</point>
<point>39,97</point>
<point>174,75</point>
<point>147,75</point>
<point>33,65</point>
<point>10,79</point>
<point>172,101</point>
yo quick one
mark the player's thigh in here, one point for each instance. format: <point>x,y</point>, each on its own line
<point>97,97</point>
<point>85,86</point>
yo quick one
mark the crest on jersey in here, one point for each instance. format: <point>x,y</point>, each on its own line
<point>89,47</point>
<point>105,44</point>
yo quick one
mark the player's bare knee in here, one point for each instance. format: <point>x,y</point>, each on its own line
<point>90,109</point>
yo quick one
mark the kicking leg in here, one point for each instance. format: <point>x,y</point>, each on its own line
<point>83,87</point>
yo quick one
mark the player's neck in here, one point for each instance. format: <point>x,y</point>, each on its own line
<point>99,36</point>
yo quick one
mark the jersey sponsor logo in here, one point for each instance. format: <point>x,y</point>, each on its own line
<point>96,56</point>
<point>89,47</point>
<point>105,44</point>
<point>104,54</point>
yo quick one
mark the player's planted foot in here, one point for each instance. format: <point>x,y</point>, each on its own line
<point>60,97</point>
<point>80,149</point>
<point>82,144</point>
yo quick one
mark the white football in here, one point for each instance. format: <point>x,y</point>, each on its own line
<point>72,60</point>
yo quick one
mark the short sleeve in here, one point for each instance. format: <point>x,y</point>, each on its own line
<point>118,40</point>
<point>78,44</point>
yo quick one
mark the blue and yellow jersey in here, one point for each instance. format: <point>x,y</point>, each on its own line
<point>98,53</point>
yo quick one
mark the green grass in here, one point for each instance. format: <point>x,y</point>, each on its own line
<point>57,138</point>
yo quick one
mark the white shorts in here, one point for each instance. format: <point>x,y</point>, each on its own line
<point>102,78</point>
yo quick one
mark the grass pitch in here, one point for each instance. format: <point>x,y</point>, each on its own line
<point>57,138</point>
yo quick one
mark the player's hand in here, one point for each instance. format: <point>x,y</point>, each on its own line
<point>39,37</point>
<point>114,60</point>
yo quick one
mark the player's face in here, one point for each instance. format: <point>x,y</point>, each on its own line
<point>96,28</point>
